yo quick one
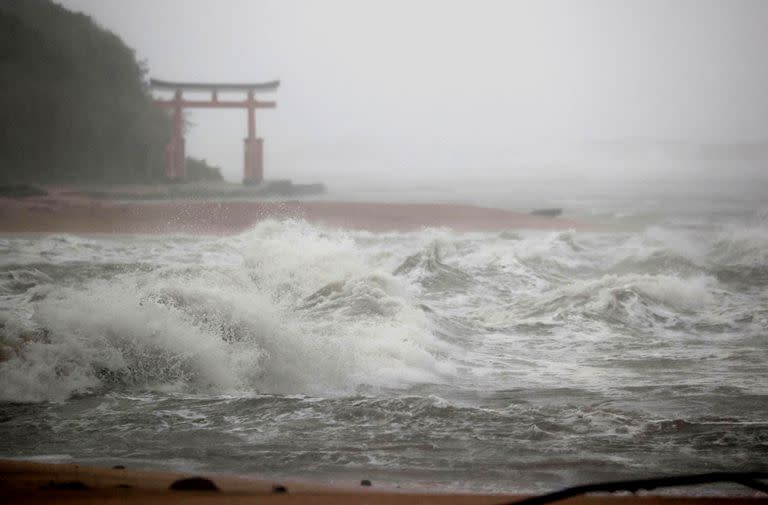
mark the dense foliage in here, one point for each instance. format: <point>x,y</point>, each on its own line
<point>200,170</point>
<point>73,100</point>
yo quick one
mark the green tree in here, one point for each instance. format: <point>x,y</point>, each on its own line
<point>74,101</point>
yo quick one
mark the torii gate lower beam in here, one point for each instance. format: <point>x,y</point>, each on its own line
<point>175,158</point>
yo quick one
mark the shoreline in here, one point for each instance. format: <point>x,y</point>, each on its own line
<point>23,481</point>
<point>32,482</point>
<point>80,214</point>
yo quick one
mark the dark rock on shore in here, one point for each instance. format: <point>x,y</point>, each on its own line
<point>547,212</point>
<point>21,191</point>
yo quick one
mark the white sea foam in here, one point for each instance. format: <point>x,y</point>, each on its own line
<point>247,328</point>
<point>287,307</point>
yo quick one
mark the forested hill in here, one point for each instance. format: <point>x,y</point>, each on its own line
<point>73,103</point>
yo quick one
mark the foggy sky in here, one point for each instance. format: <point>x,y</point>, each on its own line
<point>416,86</point>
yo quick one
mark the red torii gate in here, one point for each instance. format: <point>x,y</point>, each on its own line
<point>175,158</point>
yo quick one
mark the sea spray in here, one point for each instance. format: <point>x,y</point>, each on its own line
<point>250,328</point>
<point>479,360</point>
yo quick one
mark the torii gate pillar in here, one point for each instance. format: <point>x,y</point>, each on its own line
<point>175,158</point>
<point>253,169</point>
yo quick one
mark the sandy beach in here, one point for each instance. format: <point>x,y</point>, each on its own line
<point>32,482</point>
<point>73,213</point>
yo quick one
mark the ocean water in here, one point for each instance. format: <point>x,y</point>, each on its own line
<point>514,361</point>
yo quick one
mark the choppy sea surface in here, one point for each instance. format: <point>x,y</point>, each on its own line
<point>514,361</point>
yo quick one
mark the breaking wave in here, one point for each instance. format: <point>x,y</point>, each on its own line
<point>292,308</point>
<point>301,313</point>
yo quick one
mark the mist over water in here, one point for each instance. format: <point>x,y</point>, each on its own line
<point>507,361</point>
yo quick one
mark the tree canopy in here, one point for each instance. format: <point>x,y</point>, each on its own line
<point>74,101</point>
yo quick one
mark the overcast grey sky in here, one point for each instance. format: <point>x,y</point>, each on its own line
<point>414,85</point>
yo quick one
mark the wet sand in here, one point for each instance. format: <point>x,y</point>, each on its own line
<point>32,483</point>
<point>78,214</point>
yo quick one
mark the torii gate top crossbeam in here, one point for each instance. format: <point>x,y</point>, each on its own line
<point>213,87</point>
<point>215,103</point>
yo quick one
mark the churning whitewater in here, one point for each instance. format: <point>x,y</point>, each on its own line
<point>512,361</point>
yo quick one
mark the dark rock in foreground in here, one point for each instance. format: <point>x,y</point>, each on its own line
<point>194,484</point>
